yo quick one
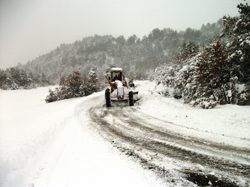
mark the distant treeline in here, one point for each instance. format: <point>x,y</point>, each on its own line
<point>15,78</point>
<point>137,56</point>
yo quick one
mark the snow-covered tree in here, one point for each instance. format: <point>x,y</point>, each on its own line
<point>186,52</point>
<point>74,81</point>
<point>93,83</point>
<point>212,69</point>
<point>15,78</point>
<point>69,88</point>
<point>75,86</point>
<point>237,29</point>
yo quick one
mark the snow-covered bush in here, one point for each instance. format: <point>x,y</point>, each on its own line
<point>243,95</point>
<point>51,97</point>
<point>69,88</point>
<point>204,102</point>
<point>74,86</point>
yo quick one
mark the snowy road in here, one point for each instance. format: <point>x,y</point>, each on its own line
<point>158,142</point>
<point>54,145</point>
<point>154,140</point>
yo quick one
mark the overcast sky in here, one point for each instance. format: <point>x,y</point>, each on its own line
<point>29,28</point>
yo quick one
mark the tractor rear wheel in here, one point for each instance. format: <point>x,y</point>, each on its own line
<point>131,99</point>
<point>107,97</point>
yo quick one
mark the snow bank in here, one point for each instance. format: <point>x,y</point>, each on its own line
<point>26,124</point>
<point>223,121</point>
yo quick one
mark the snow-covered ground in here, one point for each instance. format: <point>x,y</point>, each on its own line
<point>218,123</point>
<point>53,144</point>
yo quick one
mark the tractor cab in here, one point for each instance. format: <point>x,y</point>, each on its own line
<point>116,77</point>
<point>116,74</point>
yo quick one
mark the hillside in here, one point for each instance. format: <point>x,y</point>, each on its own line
<point>137,56</point>
<point>217,73</point>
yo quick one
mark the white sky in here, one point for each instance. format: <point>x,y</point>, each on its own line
<point>29,28</point>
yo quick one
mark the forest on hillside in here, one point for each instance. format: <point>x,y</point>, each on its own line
<point>218,73</point>
<point>137,56</point>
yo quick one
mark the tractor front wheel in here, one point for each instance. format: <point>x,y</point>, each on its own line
<point>107,97</point>
<point>131,99</point>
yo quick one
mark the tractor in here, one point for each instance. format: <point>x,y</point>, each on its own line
<point>119,89</point>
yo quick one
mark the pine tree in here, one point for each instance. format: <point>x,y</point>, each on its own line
<point>70,87</point>
<point>237,29</point>
<point>74,81</point>
<point>187,51</point>
<point>211,68</point>
<point>93,81</point>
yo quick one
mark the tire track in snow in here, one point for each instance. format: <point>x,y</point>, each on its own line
<point>139,132</point>
<point>186,140</point>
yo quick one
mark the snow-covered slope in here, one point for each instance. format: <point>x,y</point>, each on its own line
<point>220,122</point>
<point>54,144</point>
